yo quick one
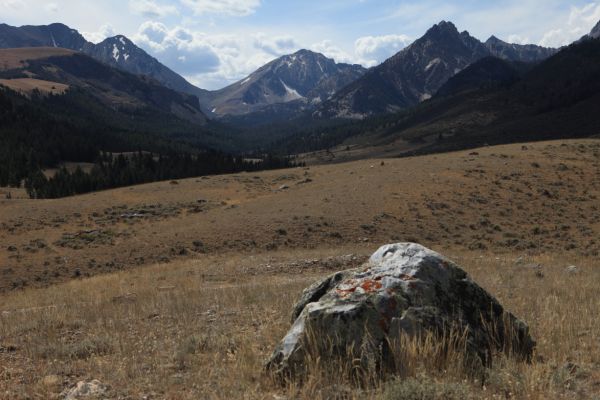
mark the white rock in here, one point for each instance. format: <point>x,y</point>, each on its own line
<point>572,269</point>
<point>86,389</point>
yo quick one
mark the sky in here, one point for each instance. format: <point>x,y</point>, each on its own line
<point>214,43</point>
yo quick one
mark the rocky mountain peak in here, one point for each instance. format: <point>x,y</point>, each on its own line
<point>118,50</point>
<point>307,53</point>
<point>123,40</point>
<point>304,65</point>
<point>442,30</point>
<point>595,33</point>
<point>493,40</point>
<point>304,76</point>
<point>53,35</point>
<point>417,72</point>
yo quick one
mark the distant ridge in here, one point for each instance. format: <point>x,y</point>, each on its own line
<point>417,72</point>
<point>117,51</point>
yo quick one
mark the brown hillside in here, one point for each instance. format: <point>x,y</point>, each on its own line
<point>511,199</point>
<point>28,85</point>
<point>17,58</point>
<point>208,270</point>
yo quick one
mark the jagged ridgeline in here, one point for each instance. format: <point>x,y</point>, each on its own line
<point>491,101</point>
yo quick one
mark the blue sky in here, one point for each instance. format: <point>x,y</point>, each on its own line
<point>216,42</point>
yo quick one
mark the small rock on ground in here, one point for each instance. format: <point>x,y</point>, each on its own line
<point>86,390</point>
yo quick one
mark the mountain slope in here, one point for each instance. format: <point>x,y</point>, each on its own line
<point>304,77</point>
<point>115,88</point>
<point>411,76</point>
<point>417,72</point>
<point>97,91</point>
<point>595,33</point>
<point>59,105</point>
<point>557,98</point>
<point>53,35</point>
<point>122,53</point>
<point>117,51</point>
<point>518,52</point>
<point>487,73</point>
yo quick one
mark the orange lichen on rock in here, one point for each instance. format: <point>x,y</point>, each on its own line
<point>371,285</point>
<point>367,286</point>
<point>346,292</point>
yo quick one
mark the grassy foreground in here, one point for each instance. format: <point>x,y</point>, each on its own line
<point>203,328</point>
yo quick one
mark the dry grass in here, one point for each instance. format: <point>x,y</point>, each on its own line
<point>203,274</point>
<point>17,58</point>
<point>538,200</point>
<point>203,329</point>
<point>26,86</point>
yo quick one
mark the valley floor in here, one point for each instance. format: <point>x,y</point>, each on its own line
<point>191,282</point>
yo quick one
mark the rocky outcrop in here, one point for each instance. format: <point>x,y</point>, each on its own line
<point>404,289</point>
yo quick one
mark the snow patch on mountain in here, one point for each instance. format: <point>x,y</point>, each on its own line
<point>291,94</point>
<point>433,63</point>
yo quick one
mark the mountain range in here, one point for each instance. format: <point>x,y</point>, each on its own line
<point>304,77</point>
<point>301,96</point>
<point>117,51</point>
<point>110,87</point>
<point>417,72</point>
<point>304,81</point>
<point>492,101</point>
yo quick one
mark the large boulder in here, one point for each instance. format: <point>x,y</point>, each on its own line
<point>403,290</point>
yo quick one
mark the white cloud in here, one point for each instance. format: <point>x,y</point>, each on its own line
<point>215,61</point>
<point>372,50</point>
<point>182,50</point>
<point>556,38</point>
<point>277,46</point>
<point>206,41</point>
<point>51,7</point>
<point>228,7</point>
<point>211,61</point>
<point>327,48</point>
<point>238,58</point>
<point>580,22</point>
<point>518,39</point>
<point>12,4</point>
<point>103,32</point>
<point>151,9</point>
